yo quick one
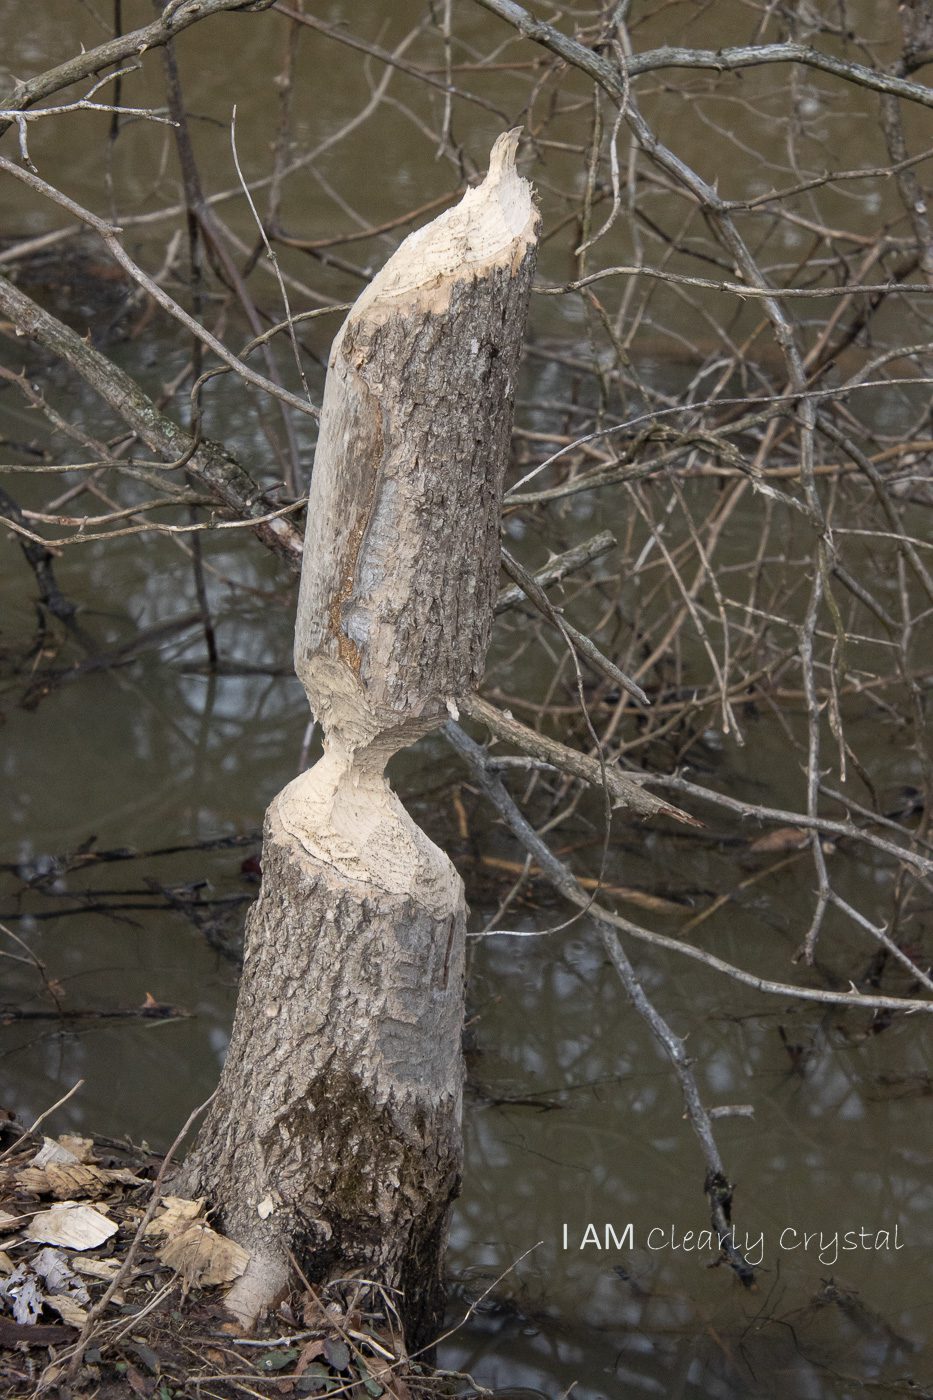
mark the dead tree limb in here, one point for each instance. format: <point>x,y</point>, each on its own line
<point>625,789</point>
<point>40,560</point>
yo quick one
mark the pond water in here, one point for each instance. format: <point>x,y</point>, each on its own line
<point>133,794</point>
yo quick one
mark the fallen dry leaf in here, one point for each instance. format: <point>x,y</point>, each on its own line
<point>203,1256</point>
<point>23,1294</point>
<point>71,1226</point>
<point>310,1352</point>
<point>783,838</point>
<point>68,1310</point>
<point>57,1274</point>
<point>177,1213</point>
<point>124,1176</point>
<point>52,1151</point>
<point>81,1147</point>
<point>383,1373</point>
<point>33,1179</point>
<point>138,1383</point>
<point>69,1179</point>
<point>97,1268</point>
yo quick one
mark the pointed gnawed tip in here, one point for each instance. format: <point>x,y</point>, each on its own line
<point>502,155</point>
<point>494,223</point>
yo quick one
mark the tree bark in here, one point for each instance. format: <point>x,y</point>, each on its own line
<point>335,1134</point>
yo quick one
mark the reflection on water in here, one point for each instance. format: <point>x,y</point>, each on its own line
<point>572,1116</point>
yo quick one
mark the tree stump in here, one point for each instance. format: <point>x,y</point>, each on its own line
<point>336,1131</point>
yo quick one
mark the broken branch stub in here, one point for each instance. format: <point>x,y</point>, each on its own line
<point>335,1133</point>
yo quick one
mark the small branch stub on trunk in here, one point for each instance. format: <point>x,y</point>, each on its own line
<point>335,1134</point>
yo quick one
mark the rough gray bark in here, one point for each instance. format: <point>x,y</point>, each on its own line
<point>336,1130</point>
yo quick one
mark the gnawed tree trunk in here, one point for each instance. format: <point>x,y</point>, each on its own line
<point>335,1133</point>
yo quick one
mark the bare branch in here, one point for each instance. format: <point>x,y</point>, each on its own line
<point>211,465</point>
<point>158,294</point>
<point>176,17</point>
<point>609,76</point>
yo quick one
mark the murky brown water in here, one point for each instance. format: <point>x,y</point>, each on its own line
<point>572,1116</point>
